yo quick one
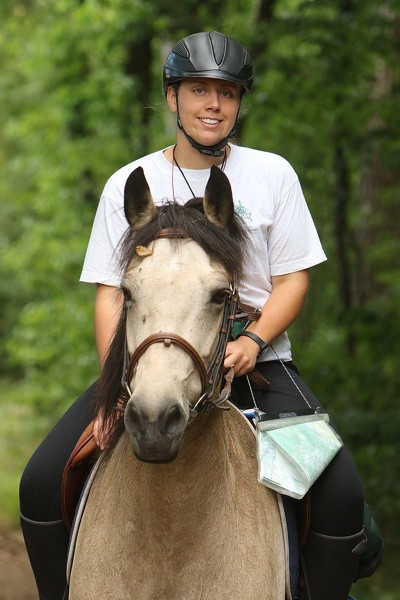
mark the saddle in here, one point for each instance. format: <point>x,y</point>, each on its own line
<point>76,472</point>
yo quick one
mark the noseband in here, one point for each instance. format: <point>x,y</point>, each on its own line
<point>210,376</point>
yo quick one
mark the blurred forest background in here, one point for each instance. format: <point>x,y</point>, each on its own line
<point>81,95</point>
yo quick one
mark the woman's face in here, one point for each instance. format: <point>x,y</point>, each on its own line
<point>208,108</point>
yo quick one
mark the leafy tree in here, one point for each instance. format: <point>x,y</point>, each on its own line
<point>81,96</point>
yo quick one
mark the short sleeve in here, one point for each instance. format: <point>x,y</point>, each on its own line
<point>101,260</point>
<point>293,241</point>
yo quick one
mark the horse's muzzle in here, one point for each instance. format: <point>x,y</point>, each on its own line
<point>156,434</point>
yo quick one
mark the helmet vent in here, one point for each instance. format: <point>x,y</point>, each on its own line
<point>218,44</point>
<point>181,50</point>
<point>247,60</point>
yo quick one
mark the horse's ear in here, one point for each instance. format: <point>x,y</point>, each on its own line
<point>218,201</point>
<point>138,202</point>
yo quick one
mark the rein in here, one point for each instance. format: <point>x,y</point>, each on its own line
<point>210,376</point>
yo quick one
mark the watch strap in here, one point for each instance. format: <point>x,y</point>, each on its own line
<point>253,336</point>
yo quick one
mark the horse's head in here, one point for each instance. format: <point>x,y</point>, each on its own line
<point>181,263</point>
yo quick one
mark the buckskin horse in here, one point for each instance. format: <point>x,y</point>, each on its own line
<point>175,511</point>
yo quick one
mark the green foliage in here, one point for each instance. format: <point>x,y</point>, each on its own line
<point>21,429</point>
<point>81,96</point>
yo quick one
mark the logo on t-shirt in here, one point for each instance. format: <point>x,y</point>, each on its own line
<point>244,212</point>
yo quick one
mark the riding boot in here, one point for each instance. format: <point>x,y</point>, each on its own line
<point>329,565</point>
<point>47,546</point>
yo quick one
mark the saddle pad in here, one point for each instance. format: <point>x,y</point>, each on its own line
<point>78,516</point>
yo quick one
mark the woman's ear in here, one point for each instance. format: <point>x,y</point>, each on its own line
<point>172,98</point>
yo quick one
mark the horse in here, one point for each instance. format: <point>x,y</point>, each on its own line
<point>175,511</point>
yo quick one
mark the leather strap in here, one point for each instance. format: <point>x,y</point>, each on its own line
<point>170,234</point>
<point>249,312</point>
<point>258,379</point>
<point>167,339</point>
<point>75,472</point>
<point>260,342</point>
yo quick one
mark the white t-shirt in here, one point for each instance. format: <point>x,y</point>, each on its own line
<point>267,195</point>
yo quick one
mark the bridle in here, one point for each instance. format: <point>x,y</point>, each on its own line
<point>210,376</point>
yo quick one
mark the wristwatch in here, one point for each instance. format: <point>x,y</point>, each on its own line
<point>263,345</point>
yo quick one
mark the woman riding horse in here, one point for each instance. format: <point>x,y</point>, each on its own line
<point>205,77</point>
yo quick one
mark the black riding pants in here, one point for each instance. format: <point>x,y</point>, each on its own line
<point>337,497</point>
<point>40,487</point>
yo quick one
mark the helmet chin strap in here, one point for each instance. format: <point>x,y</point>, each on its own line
<point>215,151</point>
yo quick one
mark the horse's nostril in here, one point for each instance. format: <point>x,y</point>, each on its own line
<point>133,417</point>
<point>169,422</point>
<point>173,420</point>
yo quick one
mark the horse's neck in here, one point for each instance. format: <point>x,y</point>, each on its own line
<point>217,455</point>
<point>198,527</point>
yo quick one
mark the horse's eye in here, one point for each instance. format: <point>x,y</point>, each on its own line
<point>127,297</point>
<point>219,296</point>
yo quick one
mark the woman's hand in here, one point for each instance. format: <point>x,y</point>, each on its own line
<point>241,354</point>
<point>280,310</point>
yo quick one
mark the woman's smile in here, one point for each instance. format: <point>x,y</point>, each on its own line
<point>208,108</point>
<point>210,123</point>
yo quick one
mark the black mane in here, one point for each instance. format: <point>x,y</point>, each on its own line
<point>226,247</point>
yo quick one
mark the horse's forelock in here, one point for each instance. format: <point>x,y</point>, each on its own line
<point>227,247</point>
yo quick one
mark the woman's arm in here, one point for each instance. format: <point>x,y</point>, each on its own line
<point>280,310</point>
<point>107,310</point>
<point>107,307</point>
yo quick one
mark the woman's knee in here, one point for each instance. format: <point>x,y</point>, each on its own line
<point>337,498</point>
<point>35,491</point>
<point>40,486</point>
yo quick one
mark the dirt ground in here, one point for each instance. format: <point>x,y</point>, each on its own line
<point>16,579</point>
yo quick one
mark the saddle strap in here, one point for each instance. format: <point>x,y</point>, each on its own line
<point>75,473</point>
<point>249,313</point>
<point>258,379</point>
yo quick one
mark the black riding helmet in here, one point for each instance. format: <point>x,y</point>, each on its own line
<point>212,55</point>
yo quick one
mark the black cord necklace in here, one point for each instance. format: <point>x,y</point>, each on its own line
<point>175,162</point>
